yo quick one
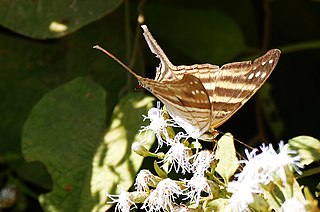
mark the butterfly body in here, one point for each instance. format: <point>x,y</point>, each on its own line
<point>201,97</point>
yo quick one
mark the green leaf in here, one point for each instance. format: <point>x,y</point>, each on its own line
<point>52,19</point>
<point>44,65</point>
<point>307,147</point>
<point>65,131</point>
<point>226,154</point>
<point>34,173</point>
<point>161,173</point>
<point>184,28</point>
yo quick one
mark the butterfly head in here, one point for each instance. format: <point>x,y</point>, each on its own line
<point>145,83</point>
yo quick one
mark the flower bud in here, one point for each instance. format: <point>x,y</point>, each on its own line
<point>140,149</point>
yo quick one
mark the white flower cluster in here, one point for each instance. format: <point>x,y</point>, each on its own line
<point>162,193</point>
<point>259,170</point>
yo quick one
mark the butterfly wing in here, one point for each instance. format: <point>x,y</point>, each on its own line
<point>237,82</point>
<point>186,101</point>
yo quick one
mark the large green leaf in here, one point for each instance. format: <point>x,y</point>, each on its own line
<point>51,19</point>
<point>65,131</point>
<point>30,68</point>
<point>189,31</point>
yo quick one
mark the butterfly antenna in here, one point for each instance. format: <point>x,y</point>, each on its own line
<point>115,59</point>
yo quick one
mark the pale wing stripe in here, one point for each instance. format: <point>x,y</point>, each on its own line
<point>227,85</point>
<point>232,99</point>
<point>224,92</point>
<point>183,107</point>
<point>196,67</point>
<point>197,104</point>
<point>227,99</point>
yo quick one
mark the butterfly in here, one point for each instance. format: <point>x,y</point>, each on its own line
<point>201,97</point>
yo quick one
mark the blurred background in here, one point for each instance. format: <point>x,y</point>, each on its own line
<point>44,45</point>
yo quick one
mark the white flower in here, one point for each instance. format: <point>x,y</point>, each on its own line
<point>123,201</point>
<point>158,124</point>
<point>196,185</point>
<point>242,194</point>
<point>275,163</point>
<point>253,170</point>
<point>260,169</point>
<point>285,158</point>
<point>178,156</point>
<point>163,197</point>
<point>293,205</point>
<point>202,162</point>
<point>144,179</point>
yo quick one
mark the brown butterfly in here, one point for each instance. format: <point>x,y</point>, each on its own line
<point>201,97</point>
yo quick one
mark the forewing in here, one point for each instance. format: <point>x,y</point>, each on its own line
<point>237,82</point>
<point>186,100</point>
